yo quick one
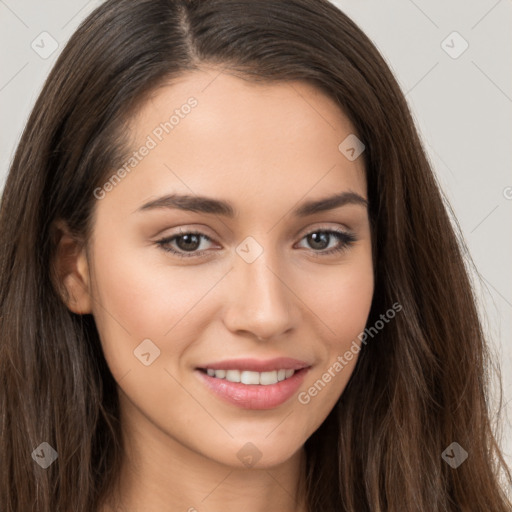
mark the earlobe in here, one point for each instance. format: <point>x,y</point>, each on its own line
<point>72,270</point>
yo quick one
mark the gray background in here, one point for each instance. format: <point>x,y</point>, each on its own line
<point>462,105</point>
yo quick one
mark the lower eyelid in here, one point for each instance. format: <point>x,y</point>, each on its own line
<point>344,238</point>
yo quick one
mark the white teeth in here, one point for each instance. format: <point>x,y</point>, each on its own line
<point>232,375</point>
<point>247,377</point>
<point>254,378</point>
<point>267,378</point>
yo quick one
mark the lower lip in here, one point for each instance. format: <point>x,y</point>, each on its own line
<point>252,396</point>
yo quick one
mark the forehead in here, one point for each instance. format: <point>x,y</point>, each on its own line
<point>213,133</point>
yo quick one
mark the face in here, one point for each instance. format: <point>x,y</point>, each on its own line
<point>255,284</point>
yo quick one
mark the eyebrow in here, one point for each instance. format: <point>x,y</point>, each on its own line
<point>213,206</point>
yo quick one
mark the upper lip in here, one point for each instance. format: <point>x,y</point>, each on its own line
<point>258,365</point>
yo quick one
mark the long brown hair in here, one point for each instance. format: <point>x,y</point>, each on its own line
<point>418,386</point>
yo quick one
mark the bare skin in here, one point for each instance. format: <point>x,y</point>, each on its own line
<point>266,149</point>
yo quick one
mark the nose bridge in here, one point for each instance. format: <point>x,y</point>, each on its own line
<point>261,302</point>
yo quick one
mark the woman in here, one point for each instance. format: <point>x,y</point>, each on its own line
<point>232,280</point>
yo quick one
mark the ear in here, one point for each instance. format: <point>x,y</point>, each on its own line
<point>71,270</point>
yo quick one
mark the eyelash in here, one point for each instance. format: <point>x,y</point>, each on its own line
<point>346,239</point>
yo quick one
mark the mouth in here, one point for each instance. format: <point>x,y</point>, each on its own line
<point>250,378</point>
<point>253,384</point>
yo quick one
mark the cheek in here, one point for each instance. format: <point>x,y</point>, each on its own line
<point>344,304</point>
<point>137,299</point>
<point>340,297</point>
<point>341,302</point>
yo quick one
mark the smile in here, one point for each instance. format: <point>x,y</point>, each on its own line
<point>251,378</point>
<point>248,389</point>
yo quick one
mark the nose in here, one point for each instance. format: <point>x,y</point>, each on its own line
<point>260,301</point>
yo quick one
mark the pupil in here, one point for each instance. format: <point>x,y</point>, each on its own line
<point>187,239</point>
<point>319,238</point>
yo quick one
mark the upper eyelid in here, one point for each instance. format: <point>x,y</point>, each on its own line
<point>200,233</point>
<point>324,228</point>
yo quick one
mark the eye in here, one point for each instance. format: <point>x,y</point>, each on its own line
<point>320,240</point>
<point>187,242</point>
